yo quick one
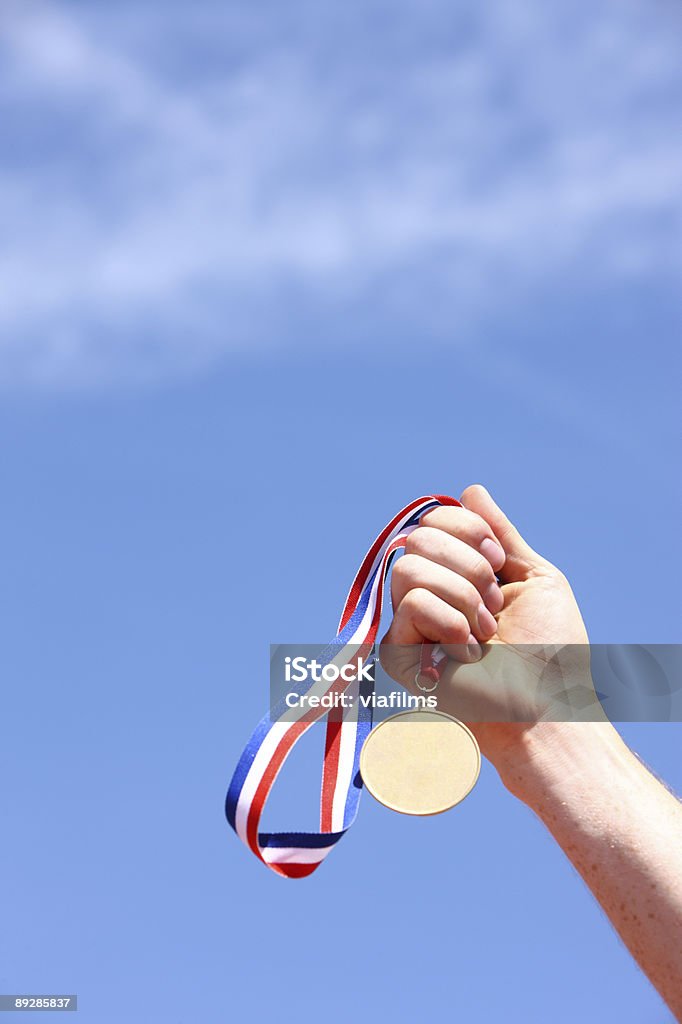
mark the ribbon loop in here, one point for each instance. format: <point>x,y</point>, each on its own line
<point>297,854</point>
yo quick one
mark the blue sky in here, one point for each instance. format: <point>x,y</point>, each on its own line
<point>266,273</point>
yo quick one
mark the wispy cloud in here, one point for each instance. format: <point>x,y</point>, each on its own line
<point>159,205</point>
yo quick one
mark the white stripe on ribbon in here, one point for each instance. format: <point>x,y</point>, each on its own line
<point>295,854</point>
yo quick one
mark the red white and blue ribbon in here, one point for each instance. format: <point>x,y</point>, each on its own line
<point>297,854</point>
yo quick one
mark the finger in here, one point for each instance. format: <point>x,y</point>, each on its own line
<point>454,554</point>
<point>469,527</point>
<point>413,572</point>
<point>521,560</point>
<point>422,617</point>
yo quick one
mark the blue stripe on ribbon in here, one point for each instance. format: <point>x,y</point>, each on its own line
<point>307,840</point>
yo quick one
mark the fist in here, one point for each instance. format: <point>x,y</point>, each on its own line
<point>469,579</point>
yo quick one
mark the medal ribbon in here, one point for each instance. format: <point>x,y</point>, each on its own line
<point>297,854</point>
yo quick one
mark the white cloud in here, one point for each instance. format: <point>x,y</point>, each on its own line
<point>139,204</point>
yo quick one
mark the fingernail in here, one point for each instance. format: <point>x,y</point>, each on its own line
<point>494,598</point>
<point>474,648</point>
<point>494,553</point>
<point>486,622</point>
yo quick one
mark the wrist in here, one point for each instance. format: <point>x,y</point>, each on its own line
<point>552,760</point>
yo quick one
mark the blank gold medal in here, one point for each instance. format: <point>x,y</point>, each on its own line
<point>420,762</point>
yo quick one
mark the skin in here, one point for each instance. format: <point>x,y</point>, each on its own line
<point>618,825</point>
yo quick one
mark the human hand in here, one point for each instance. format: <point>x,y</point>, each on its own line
<point>445,592</point>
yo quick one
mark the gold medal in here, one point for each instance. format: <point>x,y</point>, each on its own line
<point>420,762</point>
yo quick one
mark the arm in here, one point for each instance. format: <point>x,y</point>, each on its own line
<point>618,825</point>
<point>620,828</point>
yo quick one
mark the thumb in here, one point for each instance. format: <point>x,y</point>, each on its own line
<point>521,559</point>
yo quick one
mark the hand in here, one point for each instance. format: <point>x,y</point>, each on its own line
<point>444,591</point>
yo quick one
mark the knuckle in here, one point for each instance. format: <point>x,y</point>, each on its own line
<point>405,570</point>
<point>481,571</point>
<point>419,541</point>
<point>558,576</point>
<point>479,529</point>
<point>461,523</point>
<point>471,492</point>
<point>473,528</point>
<point>471,598</point>
<point>457,629</point>
<point>415,601</point>
<point>398,572</point>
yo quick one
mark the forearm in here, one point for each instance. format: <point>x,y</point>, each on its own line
<point>621,829</point>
